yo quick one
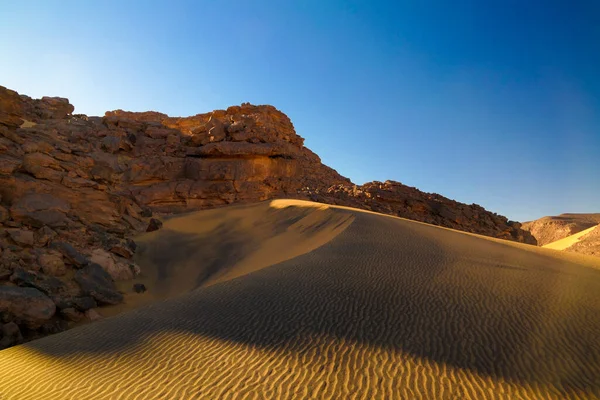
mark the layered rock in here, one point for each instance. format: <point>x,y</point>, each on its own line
<point>74,188</point>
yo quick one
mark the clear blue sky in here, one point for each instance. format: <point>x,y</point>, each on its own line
<point>488,102</point>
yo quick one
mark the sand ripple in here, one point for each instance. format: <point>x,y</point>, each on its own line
<point>388,309</point>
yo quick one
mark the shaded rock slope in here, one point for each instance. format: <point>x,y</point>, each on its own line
<point>74,189</point>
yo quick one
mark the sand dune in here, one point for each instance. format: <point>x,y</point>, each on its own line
<point>569,241</point>
<point>203,248</point>
<point>384,308</point>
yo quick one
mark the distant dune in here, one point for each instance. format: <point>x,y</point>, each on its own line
<point>326,302</point>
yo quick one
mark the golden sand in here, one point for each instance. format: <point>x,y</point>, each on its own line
<point>381,308</point>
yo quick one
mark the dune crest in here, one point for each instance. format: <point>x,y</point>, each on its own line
<point>206,247</point>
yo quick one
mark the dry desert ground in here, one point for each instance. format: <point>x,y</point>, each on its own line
<point>298,300</point>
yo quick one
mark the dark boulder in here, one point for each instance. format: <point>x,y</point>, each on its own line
<point>26,305</point>
<point>46,284</point>
<point>154,225</point>
<point>10,335</point>
<point>72,314</point>
<point>139,288</point>
<point>70,253</point>
<point>97,283</point>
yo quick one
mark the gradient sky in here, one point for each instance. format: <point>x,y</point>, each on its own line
<point>488,102</point>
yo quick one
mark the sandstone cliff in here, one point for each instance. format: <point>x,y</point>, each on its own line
<point>74,189</point>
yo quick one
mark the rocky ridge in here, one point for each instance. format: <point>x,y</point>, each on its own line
<point>74,189</point>
<point>552,228</point>
<point>396,199</point>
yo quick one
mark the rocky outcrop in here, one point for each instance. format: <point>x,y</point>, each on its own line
<point>588,244</point>
<point>394,198</point>
<point>74,189</point>
<point>550,229</point>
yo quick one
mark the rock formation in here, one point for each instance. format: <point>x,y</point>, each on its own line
<point>74,189</point>
<point>588,244</point>
<point>394,198</point>
<point>550,229</point>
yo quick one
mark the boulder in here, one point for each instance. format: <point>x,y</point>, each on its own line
<point>10,335</point>
<point>118,271</point>
<point>139,287</point>
<point>21,237</point>
<point>131,244</point>
<point>46,284</point>
<point>71,255</point>
<point>51,263</point>
<point>54,108</point>
<point>26,305</point>
<point>44,235</point>
<point>39,209</point>
<point>97,283</point>
<point>55,325</point>
<point>84,303</point>
<point>93,315</point>
<point>122,250</point>
<point>81,303</point>
<point>11,108</point>
<point>72,314</point>
<point>134,223</point>
<point>154,225</point>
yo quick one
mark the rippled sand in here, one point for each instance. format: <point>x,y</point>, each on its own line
<point>386,309</point>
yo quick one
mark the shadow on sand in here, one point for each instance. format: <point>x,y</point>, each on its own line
<point>447,297</point>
